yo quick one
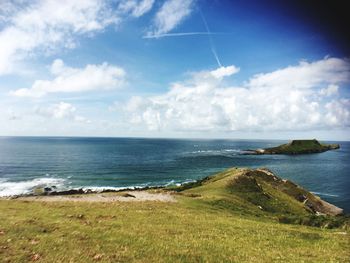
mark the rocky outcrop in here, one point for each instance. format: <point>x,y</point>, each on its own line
<point>311,202</point>
<point>247,190</point>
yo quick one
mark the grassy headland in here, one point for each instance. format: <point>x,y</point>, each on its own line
<point>234,216</point>
<point>297,147</point>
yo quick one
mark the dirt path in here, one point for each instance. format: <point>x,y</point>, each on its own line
<point>132,196</point>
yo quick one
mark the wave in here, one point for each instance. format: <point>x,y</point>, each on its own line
<point>172,182</point>
<point>216,151</point>
<point>113,188</point>
<point>135,187</point>
<point>8,188</point>
<point>221,152</point>
<point>106,188</point>
<point>325,194</point>
<point>178,183</point>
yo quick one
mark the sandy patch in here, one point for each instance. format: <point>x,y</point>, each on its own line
<point>132,196</point>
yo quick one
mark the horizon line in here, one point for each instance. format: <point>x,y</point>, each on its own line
<point>167,138</point>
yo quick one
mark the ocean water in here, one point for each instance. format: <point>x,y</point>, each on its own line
<point>100,163</point>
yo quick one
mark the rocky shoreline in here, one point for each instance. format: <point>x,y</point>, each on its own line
<point>247,179</point>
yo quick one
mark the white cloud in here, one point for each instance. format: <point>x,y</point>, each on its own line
<point>61,110</point>
<point>46,25</point>
<point>224,71</point>
<point>330,90</point>
<point>305,74</point>
<point>137,8</point>
<point>338,112</point>
<point>170,15</point>
<point>280,100</point>
<point>68,79</point>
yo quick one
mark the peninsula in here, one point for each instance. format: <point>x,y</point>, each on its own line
<point>238,215</point>
<point>296,147</point>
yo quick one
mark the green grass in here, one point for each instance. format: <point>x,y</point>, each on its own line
<point>259,195</point>
<point>212,222</point>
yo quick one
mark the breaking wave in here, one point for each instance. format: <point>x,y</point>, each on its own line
<point>8,188</point>
<point>325,194</point>
<point>222,152</point>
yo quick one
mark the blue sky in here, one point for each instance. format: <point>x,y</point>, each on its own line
<point>151,68</point>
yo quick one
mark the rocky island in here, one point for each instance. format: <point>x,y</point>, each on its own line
<point>296,147</point>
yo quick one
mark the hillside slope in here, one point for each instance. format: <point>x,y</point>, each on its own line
<point>262,193</point>
<point>230,217</point>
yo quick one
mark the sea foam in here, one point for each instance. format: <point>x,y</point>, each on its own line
<point>325,194</point>
<point>8,188</point>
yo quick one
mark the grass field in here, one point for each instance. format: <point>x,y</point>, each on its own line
<point>194,229</point>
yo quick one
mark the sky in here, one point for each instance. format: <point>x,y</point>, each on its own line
<point>174,68</point>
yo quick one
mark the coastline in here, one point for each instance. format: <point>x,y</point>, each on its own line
<point>164,193</point>
<point>237,213</point>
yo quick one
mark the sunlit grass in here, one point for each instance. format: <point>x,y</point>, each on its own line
<point>206,224</point>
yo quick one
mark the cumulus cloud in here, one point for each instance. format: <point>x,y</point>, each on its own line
<point>224,71</point>
<point>136,8</point>
<point>305,75</point>
<point>60,110</point>
<point>338,112</point>
<point>170,15</point>
<point>68,79</point>
<point>286,99</point>
<point>330,90</point>
<point>45,25</point>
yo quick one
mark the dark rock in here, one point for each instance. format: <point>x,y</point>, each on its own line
<point>109,191</point>
<point>128,195</point>
<point>68,192</point>
<point>47,189</point>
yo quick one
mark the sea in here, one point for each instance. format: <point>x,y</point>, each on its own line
<point>117,163</point>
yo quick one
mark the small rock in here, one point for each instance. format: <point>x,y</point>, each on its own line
<point>35,257</point>
<point>98,257</point>
<point>128,195</point>
<point>69,192</point>
<point>2,232</point>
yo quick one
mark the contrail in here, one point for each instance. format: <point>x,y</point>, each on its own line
<point>213,50</point>
<point>183,34</point>
<point>207,33</point>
